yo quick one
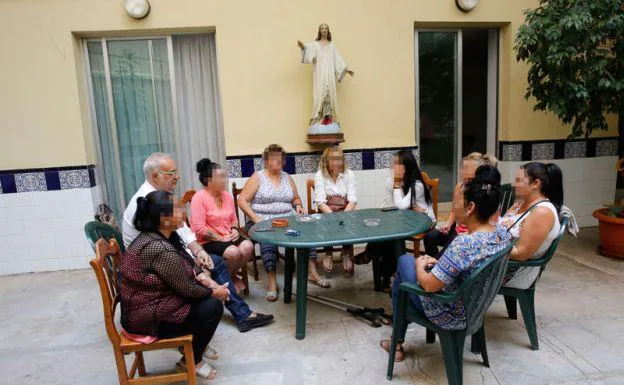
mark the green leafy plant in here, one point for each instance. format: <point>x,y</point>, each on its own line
<point>615,211</point>
<point>575,53</point>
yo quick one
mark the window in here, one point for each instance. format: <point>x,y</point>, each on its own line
<point>152,95</point>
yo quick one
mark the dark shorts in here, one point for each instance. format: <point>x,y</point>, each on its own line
<point>216,247</point>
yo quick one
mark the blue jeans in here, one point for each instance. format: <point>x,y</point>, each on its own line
<point>406,272</point>
<point>239,308</point>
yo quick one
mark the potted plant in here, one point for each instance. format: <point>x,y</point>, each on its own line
<point>611,230</point>
<point>574,50</point>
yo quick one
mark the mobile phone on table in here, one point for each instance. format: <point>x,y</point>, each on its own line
<point>292,233</point>
<point>392,208</point>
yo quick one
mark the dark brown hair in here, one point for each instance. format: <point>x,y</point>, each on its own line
<point>206,169</point>
<point>272,148</point>
<point>551,180</point>
<point>318,35</point>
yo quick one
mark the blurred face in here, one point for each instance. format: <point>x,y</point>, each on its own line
<point>324,28</point>
<point>398,170</point>
<point>462,209</point>
<point>219,180</point>
<point>174,221</point>
<point>335,163</point>
<point>275,161</point>
<point>522,184</point>
<point>467,172</point>
<point>166,178</point>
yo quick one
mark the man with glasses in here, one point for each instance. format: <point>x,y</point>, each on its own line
<point>161,174</point>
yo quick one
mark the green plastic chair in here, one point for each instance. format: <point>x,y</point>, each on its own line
<point>508,197</point>
<point>526,297</point>
<point>95,230</point>
<point>477,293</point>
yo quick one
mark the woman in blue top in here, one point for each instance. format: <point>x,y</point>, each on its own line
<point>474,204</point>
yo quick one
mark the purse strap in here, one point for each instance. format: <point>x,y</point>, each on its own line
<point>525,213</point>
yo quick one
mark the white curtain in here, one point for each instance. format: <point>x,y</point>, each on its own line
<point>199,105</point>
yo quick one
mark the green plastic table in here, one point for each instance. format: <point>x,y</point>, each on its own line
<point>344,228</point>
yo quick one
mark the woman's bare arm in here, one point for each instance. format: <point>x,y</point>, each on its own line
<point>533,233</point>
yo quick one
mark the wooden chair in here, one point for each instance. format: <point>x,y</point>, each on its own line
<point>243,228</point>
<point>106,268</point>
<point>526,297</point>
<point>477,293</point>
<point>434,187</point>
<point>186,200</point>
<point>310,193</point>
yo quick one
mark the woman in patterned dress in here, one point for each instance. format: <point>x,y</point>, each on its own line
<point>473,205</point>
<point>272,193</point>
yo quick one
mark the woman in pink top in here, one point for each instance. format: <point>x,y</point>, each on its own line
<point>213,220</point>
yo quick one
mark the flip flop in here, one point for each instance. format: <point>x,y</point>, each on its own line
<point>272,296</point>
<point>385,345</point>
<point>320,283</point>
<point>328,263</point>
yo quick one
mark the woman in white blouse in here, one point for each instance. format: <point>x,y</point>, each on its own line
<point>405,190</point>
<point>334,191</point>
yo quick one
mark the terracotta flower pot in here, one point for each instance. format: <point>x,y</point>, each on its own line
<point>611,232</point>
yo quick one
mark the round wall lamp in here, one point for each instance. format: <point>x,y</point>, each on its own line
<point>137,9</point>
<point>466,5</point>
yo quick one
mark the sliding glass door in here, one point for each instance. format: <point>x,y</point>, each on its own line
<point>438,106</point>
<point>456,99</point>
<point>132,101</point>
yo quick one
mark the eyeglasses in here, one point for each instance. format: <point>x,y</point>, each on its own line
<point>171,173</point>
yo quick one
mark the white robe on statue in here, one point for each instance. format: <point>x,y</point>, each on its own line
<point>329,68</point>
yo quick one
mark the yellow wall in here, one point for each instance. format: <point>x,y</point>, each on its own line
<point>266,93</point>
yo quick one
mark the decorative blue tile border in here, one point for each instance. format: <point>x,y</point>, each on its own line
<point>46,179</point>
<point>524,151</point>
<point>307,162</point>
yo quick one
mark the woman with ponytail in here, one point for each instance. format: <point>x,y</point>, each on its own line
<point>534,218</point>
<point>213,220</point>
<point>163,293</point>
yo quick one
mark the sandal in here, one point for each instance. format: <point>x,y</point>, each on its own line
<point>203,370</point>
<point>325,284</point>
<point>347,264</point>
<point>400,354</point>
<point>328,263</point>
<point>272,296</point>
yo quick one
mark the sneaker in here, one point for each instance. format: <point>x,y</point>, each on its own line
<point>255,322</point>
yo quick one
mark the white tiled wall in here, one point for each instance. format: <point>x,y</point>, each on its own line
<point>43,230</point>
<point>589,184</point>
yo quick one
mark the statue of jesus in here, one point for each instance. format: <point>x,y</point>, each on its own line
<point>329,68</point>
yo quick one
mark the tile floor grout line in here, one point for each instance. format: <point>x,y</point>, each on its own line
<point>545,330</point>
<point>559,351</point>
